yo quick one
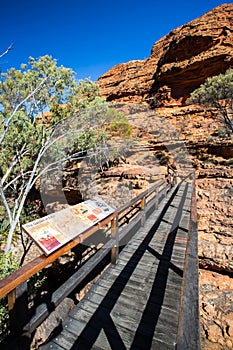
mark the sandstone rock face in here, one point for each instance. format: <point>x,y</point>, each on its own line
<point>178,64</point>
<point>216,305</point>
<point>115,83</point>
<point>211,154</point>
<point>215,209</point>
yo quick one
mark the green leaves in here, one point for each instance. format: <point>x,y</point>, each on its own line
<point>217,91</point>
<point>47,117</point>
<point>219,87</point>
<point>56,85</point>
<point>118,123</point>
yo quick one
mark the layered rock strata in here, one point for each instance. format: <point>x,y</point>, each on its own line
<point>179,62</point>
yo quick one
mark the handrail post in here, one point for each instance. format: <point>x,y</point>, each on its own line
<point>175,180</point>
<point>166,190</point>
<point>115,236</point>
<point>156,198</point>
<point>19,316</point>
<point>143,207</point>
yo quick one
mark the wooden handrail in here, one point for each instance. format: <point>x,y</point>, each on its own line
<point>136,199</point>
<point>21,275</point>
<point>145,203</point>
<point>188,336</point>
<point>15,285</point>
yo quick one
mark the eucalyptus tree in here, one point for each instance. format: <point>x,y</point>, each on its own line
<point>35,102</point>
<point>217,91</point>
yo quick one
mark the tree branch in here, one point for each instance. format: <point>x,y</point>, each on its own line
<point>6,126</point>
<point>7,50</point>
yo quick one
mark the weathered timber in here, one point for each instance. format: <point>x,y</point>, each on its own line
<point>139,303</point>
<point>136,303</point>
<point>21,275</point>
<point>10,282</point>
<point>19,315</point>
<point>43,310</point>
<point>188,337</point>
<point>115,237</point>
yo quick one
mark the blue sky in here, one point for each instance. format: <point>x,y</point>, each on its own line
<point>90,36</point>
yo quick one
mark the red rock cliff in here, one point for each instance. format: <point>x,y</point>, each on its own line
<point>178,64</point>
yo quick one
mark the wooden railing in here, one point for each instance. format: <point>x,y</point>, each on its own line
<point>14,286</point>
<point>188,337</point>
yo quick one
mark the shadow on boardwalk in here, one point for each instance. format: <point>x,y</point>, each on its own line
<point>101,318</point>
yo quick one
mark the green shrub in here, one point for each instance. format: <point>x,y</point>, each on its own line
<point>217,92</point>
<point>7,266</point>
<point>119,124</point>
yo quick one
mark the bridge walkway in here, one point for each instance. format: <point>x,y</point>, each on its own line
<point>135,304</point>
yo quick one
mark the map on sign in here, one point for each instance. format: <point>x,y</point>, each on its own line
<point>57,229</point>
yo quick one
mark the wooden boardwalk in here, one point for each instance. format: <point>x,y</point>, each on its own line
<point>136,303</point>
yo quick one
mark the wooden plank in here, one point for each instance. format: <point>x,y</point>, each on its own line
<point>125,322</point>
<point>71,336</point>
<point>120,338</point>
<point>75,325</point>
<point>51,346</point>
<point>104,343</point>
<point>165,334</point>
<point>189,328</point>
<point>126,311</point>
<point>127,277</point>
<point>130,305</point>
<point>141,297</point>
<point>160,237</point>
<point>178,257</point>
<point>118,310</point>
<point>35,323</point>
<point>97,348</point>
<point>162,344</point>
<point>135,279</point>
<point>42,311</point>
<point>10,282</point>
<point>131,283</point>
<point>99,297</point>
<point>151,254</point>
<point>128,299</point>
<point>65,340</point>
<point>144,261</point>
<point>130,324</point>
<point>178,252</point>
<point>166,328</point>
<point>115,237</point>
<point>137,262</point>
<point>129,289</point>
<point>140,336</point>
<point>82,315</point>
<point>102,321</point>
<point>140,268</point>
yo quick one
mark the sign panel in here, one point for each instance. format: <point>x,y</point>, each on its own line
<point>57,229</point>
